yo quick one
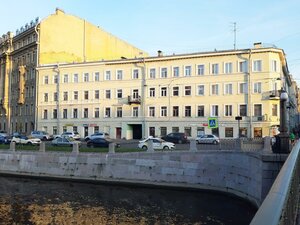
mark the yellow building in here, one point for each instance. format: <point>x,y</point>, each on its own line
<point>59,38</point>
<point>132,98</point>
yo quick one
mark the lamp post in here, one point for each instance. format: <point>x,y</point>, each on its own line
<point>283,136</point>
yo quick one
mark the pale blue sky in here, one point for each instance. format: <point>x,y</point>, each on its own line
<point>177,26</point>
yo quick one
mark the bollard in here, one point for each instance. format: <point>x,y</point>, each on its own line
<point>193,145</point>
<point>150,146</point>
<point>75,148</point>
<point>42,147</point>
<point>111,148</point>
<point>12,146</point>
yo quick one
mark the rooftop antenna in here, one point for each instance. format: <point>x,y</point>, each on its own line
<point>234,35</point>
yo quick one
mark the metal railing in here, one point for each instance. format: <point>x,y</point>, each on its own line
<point>281,204</point>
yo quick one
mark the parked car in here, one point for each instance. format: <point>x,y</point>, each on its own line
<point>176,137</point>
<point>207,139</point>
<point>4,140</point>
<point>3,133</point>
<point>21,139</point>
<point>43,135</point>
<point>101,143</point>
<point>72,134</point>
<point>65,141</point>
<point>96,135</point>
<point>158,143</point>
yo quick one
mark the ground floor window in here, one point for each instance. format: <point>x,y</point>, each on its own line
<point>229,132</point>
<point>54,130</point>
<point>64,129</point>
<point>152,131</point>
<point>200,131</point>
<point>175,129</point>
<point>215,131</point>
<point>243,132</point>
<point>257,131</point>
<point>163,131</point>
<point>75,129</point>
<point>188,131</point>
<point>96,129</point>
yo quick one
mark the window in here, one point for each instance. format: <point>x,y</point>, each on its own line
<point>54,130</point>
<point>163,131</point>
<point>242,88</point>
<point>187,111</point>
<point>228,89</point>
<point>175,91</point>
<point>45,116</point>
<point>65,96</point>
<point>97,76</point>
<point>164,73</point>
<point>65,113</point>
<point>274,110</point>
<point>96,113</point>
<point>243,67</point>
<point>274,66</point>
<point>163,92</point>
<point>66,78</point>
<point>214,110</point>
<point>86,95</point>
<point>215,68</point>
<point>54,113</point>
<point>188,71</point>
<point>75,95</point>
<point>46,97</point>
<point>243,110</point>
<point>200,89</point>
<point>135,74</point>
<point>107,112</point>
<point>228,68</point>
<point>200,69</point>
<point>107,94</point>
<point>119,93</point>
<point>163,111</point>
<point>55,96</point>
<point>257,87</point>
<point>200,111</point>
<point>75,113</point>
<point>75,78</point>
<point>214,89</point>
<point>135,94</point>
<point>176,71</point>
<point>97,95</point>
<point>152,73</point>
<point>135,111</point>
<point>175,111</point>
<point>119,112</point>
<point>107,75</point>
<point>46,79</point>
<point>187,90</point>
<point>119,74</point>
<point>152,111</point>
<point>257,66</point>
<point>257,132</point>
<point>152,92</point>
<point>85,113</point>
<point>228,110</point>
<point>257,110</point>
<point>188,131</point>
<point>55,81</point>
<point>229,132</point>
<point>86,77</point>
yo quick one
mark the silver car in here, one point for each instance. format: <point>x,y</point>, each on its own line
<point>207,139</point>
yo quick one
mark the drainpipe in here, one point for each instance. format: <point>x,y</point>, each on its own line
<point>57,70</point>
<point>36,113</point>
<point>143,98</point>
<point>249,94</point>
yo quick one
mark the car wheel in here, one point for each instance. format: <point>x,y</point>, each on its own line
<point>197,142</point>
<point>29,143</point>
<point>166,148</point>
<point>215,142</point>
<point>87,139</point>
<point>145,147</point>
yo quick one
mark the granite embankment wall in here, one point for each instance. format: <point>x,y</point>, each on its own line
<point>246,174</point>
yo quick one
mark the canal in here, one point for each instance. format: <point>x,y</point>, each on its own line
<point>35,201</point>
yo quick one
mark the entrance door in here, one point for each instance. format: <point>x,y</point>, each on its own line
<point>137,131</point>
<point>118,132</point>
<point>86,131</point>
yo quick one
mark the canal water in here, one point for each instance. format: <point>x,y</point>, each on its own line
<point>33,201</point>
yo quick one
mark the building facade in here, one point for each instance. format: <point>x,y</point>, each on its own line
<point>137,97</point>
<point>58,38</point>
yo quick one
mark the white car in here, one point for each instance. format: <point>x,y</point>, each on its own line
<point>207,139</point>
<point>96,135</point>
<point>25,140</point>
<point>158,143</point>
<point>75,135</point>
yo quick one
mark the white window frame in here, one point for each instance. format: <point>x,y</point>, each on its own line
<point>214,110</point>
<point>107,75</point>
<point>164,72</point>
<point>135,74</point>
<point>215,68</point>
<point>228,67</point>
<point>97,76</point>
<point>175,71</point>
<point>187,71</point>
<point>200,69</point>
<point>217,89</point>
<point>230,108</point>
<point>152,73</point>
<point>257,65</point>
<point>226,89</point>
<point>119,75</point>
<point>198,89</point>
<point>243,90</point>
<point>257,87</point>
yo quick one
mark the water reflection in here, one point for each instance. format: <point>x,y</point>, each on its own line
<point>30,201</point>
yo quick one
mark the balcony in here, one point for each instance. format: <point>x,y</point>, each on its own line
<point>134,99</point>
<point>274,95</point>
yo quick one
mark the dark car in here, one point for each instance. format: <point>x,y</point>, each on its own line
<point>4,140</point>
<point>178,137</point>
<point>101,143</point>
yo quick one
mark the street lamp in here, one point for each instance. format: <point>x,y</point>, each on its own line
<point>283,137</point>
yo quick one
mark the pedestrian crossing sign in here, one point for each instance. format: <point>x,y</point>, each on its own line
<point>212,122</point>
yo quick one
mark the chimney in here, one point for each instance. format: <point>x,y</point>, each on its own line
<point>257,45</point>
<point>159,53</point>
